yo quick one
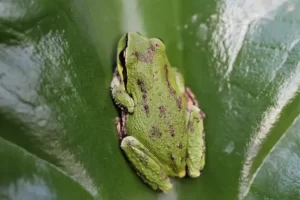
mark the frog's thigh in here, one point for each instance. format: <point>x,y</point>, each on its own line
<point>196,143</point>
<point>146,164</point>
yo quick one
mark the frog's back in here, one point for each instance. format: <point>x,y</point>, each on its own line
<point>159,119</point>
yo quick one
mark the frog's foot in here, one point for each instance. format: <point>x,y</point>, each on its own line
<point>192,101</point>
<point>121,124</point>
<point>146,165</point>
<point>196,142</point>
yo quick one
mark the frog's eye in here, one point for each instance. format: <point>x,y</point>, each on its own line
<point>158,44</point>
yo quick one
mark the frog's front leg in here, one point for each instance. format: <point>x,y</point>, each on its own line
<point>147,166</point>
<point>196,144</point>
<point>119,93</point>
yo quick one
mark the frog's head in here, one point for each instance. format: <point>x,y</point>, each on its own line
<point>135,50</point>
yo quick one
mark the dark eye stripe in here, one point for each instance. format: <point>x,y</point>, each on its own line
<point>122,59</point>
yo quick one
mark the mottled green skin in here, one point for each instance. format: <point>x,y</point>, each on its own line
<point>164,131</point>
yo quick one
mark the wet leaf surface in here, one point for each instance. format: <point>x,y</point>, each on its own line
<point>57,133</point>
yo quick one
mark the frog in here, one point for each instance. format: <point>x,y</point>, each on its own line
<point>160,126</point>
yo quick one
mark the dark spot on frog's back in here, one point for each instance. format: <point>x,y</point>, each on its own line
<point>139,82</point>
<point>171,156</point>
<point>162,110</point>
<point>180,145</point>
<point>155,132</point>
<point>191,126</point>
<point>146,108</point>
<point>148,57</point>
<point>172,131</point>
<point>143,89</point>
<point>141,85</point>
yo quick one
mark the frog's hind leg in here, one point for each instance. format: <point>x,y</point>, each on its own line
<point>196,136</point>
<point>146,165</point>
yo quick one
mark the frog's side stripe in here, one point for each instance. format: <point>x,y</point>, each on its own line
<point>172,131</point>
<point>162,110</point>
<point>155,133</point>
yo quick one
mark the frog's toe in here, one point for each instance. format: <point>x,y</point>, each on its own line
<point>194,174</point>
<point>181,174</point>
<point>166,188</point>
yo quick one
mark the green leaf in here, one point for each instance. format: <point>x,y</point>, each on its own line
<point>57,134</point>
<point>280,169</point>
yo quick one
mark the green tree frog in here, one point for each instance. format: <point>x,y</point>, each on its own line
<point>161,126</point>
